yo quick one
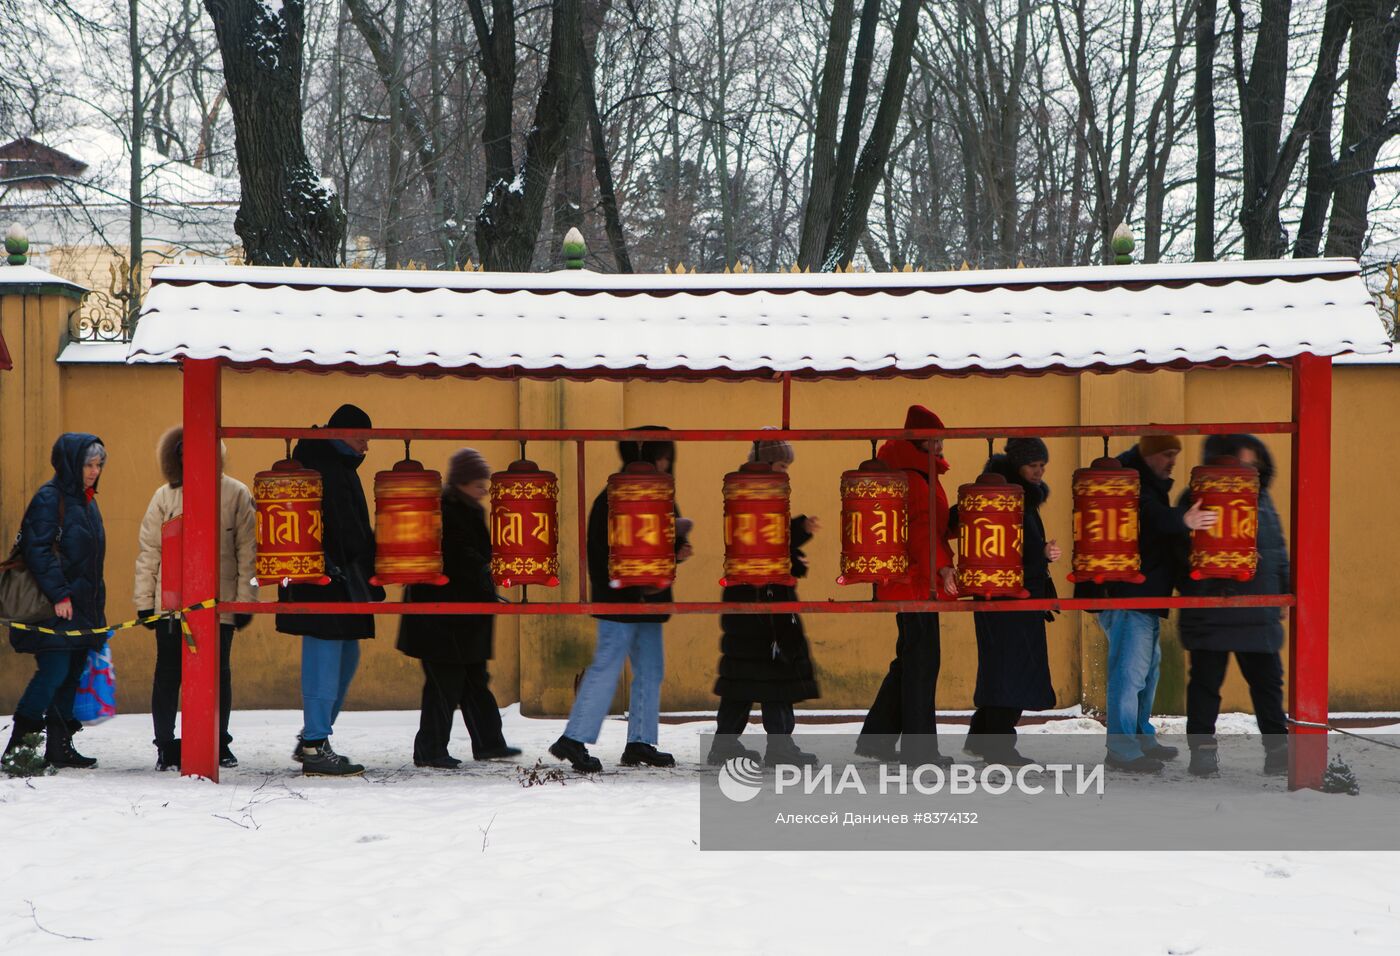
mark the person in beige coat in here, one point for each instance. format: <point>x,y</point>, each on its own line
<point>237,556</point>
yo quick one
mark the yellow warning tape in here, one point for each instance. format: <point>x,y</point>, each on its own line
<point>109,630</point>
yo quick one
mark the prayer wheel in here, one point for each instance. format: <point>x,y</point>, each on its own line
<point>524,526</point>
<point>874,525</point>
<point>408,525</point>
<point>757,526</point>
<point>1229,548</point>
<point>1106,524</point>
<point>641,527</point>
<point>288,500</point>
<point>991,516</point>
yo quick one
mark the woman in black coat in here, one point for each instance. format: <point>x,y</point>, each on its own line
<point>454,649</point>
<point>64,546</point>
<point>1013,662</point>
<point>1253,634</point>
<point>765,657</point>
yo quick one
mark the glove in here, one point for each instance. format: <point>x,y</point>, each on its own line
<point>240,621</point>
<point>148,625</point>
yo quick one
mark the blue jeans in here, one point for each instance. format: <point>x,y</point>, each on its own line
<point>54,684</point>
<point>1134,666</point>
<point>617,641</point>
<point>327,668</point>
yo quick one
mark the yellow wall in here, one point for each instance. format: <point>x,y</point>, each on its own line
<point>538,658</point>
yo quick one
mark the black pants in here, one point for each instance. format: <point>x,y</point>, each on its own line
<point>1263,671</point>
<point>733,716</point>
<point>165,688</point>
<point>447,687</point>
<point>993,729</point>
<point>905,703</point>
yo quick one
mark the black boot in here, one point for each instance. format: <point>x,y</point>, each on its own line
<point>503,752</point>
<point>726,747</point>
<point>319,760</point>
<point>1276,761</point>
<point>22,727</point>
<point>782,750</point>
<point>59,749</point>
<point>645,755</point>
<point>1205,761</point>
<point>168,755</point>
<point>567,748</point>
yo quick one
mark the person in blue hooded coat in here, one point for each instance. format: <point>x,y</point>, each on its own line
<point>64,546</point>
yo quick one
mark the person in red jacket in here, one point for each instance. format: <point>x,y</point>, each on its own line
<point>905,702</point>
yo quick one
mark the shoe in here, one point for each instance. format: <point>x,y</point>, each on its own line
<point>577,755</point>
<point>1143,764</point>
<point>1007,758</point>
<point>1276,762</point>
<point>59,752</point>
<point>645,755</point>
<point>298,750</point>
<point>879,747</point>
<point>442,762</point>
<point>915,759</point>
<point>168,755</point>
<point>782,751</point>
<point>726,747</point>
<point>1161,752</point>
<point>1205,762</point>
<point>319,760</point>
<point>498,753</point>
<point>226,758</point>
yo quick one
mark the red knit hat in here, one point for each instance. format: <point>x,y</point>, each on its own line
<point>920,417</point>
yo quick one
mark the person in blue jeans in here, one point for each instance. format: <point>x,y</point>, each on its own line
<point>1134,647</point>
<point>634,638</point>
<point>330,643</point>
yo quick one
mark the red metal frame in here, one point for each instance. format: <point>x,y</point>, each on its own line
<point>1311,426</point>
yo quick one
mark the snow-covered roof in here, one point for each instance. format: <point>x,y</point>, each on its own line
<point>587,325</point>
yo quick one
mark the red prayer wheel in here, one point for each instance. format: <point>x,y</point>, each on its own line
<point>1106,523</point>
<point>757,526</point>
<point>524,525</point>
<point>874,525</point>
<point>991,532</point>
<point>288,500</point>
<point>1230,547</point>
<point>408,525</point>
<point>641,527</point>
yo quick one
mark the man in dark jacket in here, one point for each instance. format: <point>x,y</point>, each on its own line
<point>330,649</point>
<point>64,546</point>
<point>634,638</point>
<point>454,648</point>
<point>1253,634</point>
<point>1134,648</point>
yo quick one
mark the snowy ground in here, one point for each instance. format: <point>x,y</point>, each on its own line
<point>126,860</point>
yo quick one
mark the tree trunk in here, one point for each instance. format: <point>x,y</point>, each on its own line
<point>135,231</point>
<point>817,213</point>
<point>286,213</point>
<point>1366,123</point>
<point>602,164</point>
<point>1204,105</point>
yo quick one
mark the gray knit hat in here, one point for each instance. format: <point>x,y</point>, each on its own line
<point>465,466</point>
<point>1023,451</point>
<point>772,451</point>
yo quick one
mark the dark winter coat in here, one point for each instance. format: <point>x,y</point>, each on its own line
<point>348,539</point>
<point>466,560</point>
<point>1250,629</point>
<point>1013,663</point>
<point>75,571</point>
<point>1163,539</point>
<point>765,657</point>
<point>598,576</point>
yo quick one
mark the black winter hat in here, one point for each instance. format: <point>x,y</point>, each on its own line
<point>1023,451</point>
<point>648,451</point>
<point>349,416</point>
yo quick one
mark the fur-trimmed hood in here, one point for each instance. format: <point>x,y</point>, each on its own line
<point>170,452</point>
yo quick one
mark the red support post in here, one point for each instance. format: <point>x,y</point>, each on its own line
<point>199,751</point>
<point>1312,502</point>
<point>787,400</point>
<point>579,479</point>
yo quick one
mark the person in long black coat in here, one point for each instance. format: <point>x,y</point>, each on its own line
<point>765,658</point>
<point>330,649</point>
<point>453,649</point>
<point>64,545</point>
<point>1013,663</point>
<point>1253,634</point>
